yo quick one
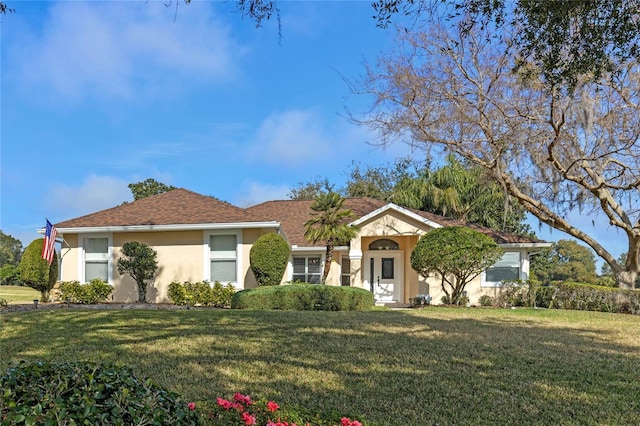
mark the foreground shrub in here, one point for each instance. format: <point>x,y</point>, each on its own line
<point>201,293</point>
<point>304,297</point>
<point>36,272</point>
<point>268,259</point>
<point>86,393</point>
<point>95,291</point>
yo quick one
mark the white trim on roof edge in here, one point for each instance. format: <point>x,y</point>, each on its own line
<point>526,245</point>
<point>174,227</point>
<point>399,209</point>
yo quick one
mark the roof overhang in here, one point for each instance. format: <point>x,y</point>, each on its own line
<point>398,209</point>
<point>526,245</point>
<point>171,227</point>
<point>298,249</point>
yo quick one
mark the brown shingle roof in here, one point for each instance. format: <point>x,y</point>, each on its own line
<point>293,214</point>
<point>176,207</point>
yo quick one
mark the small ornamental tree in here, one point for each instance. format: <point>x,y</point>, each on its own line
<point>456,255</point>
<point>139,261</point>
<point>268,258</point>
<point>36,271</point>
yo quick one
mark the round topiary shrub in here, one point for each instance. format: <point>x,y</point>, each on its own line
<point>36,271</point>
<point>268,258</point>
<point>85,393</point>
<point>304,297</point>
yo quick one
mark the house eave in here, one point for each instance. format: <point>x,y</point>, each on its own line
<point>398,209</point>
<point>526,245</point>
<point>170,227</point>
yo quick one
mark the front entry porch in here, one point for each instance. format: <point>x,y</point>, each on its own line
<point>384,275</point>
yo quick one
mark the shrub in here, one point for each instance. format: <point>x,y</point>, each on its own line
<point>9,275</point>
<point>140,262</point>
<point>95,291</point>
<point>86,393</point>
<point>268,259</point>
<point>518,293</point>
<point>304,297</point>
<point>36,272</point>
<point>486,300</point>
<point>201,293</point>
<point>588,297</point>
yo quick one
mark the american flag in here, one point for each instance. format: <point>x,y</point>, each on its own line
<point>48,249</point>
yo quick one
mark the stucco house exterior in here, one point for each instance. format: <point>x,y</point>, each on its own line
<point>199,238</point>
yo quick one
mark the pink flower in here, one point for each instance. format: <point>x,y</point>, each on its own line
<point>192,406</point>
<point>272,406</point>
<point>227,405</point>
<point>244,399</point>
<point>348,422</point>
<point>248,418</point>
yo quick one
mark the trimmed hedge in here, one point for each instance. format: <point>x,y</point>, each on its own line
<point>268,259</point>
<point>201,293</point>
<point>569,295</point>
<point>95,291</point>
<point>85,393</point>
<point>589,297</point>
<point>303,297</point>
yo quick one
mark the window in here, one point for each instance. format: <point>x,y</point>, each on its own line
<point>306,269</point>
<point>387,268</point>
<point>223,257</point>
<point>96,259</point>
<point>345,276</point>
<point>506,269</point>
<point>384,244</point>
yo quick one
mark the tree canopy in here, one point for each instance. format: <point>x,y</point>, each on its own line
<point>554,152</point>
<point>565,260</point>
<point>455,255</point>
<point>147,188</point>
<point>10,250</point>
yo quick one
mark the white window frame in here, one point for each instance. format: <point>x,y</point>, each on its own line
<point>486,283</point>
<point>344,273</point>
<point>207,258</point>
<point>82,256</point>
<point>306,255</point>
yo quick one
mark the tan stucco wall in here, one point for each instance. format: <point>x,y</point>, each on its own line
<point>181,257</point>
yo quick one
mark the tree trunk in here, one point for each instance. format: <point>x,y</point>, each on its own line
<point>626,279</point>
<point>327,261</point>
<point>142,293</point>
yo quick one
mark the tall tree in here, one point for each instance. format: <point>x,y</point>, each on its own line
<point>310,190</point>
<point>10,250</point>
<point>462,192</point>
<point>565,260</point>
<point>328,224</point>
<point>555,152</point>
<point>147,188</point>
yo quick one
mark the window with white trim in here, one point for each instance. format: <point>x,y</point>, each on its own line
<point>96,258</point>
<point>307,269</point>
<point>345,276</point>
<point>506,269</point>
<point>223,257</point>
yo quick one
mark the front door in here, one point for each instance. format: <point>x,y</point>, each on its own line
<point>385,276</point>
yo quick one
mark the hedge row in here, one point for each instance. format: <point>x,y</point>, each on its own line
<point>303,297</point>
<point>569,295</point>
<point>95,291</point>
<point>201,293</point>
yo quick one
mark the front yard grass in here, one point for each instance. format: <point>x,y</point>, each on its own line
<point>407,367</point>
<point>15,294</point>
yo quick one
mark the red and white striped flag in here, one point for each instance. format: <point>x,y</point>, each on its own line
<point>49,247</point>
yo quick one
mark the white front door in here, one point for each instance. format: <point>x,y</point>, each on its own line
<point>385,275</point>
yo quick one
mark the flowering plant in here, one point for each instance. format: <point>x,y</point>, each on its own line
<point>242,410</point>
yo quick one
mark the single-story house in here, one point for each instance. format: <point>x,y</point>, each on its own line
<point>199,238</point>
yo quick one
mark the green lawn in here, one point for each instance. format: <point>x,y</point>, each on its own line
<point>419,367</point>
<point>17,294</point>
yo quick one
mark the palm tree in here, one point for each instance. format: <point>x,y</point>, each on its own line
<point>328,223</point>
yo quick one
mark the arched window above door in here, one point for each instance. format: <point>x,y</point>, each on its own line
<point>384,244</point>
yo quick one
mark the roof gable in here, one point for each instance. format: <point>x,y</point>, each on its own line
<point>176,207</point>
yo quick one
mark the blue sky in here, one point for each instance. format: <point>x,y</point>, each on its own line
<point>100,94</point>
